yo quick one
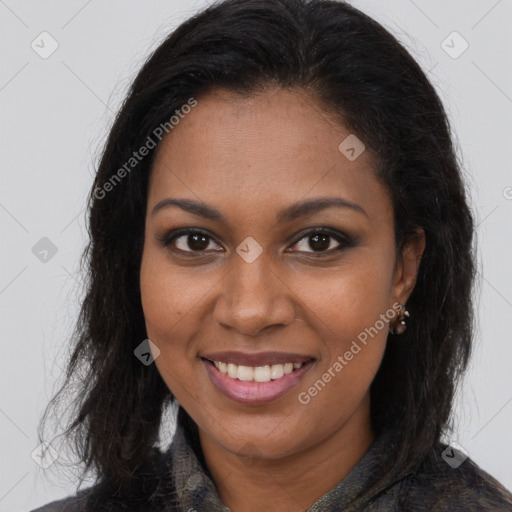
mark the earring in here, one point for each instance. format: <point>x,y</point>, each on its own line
<point>401,326</point>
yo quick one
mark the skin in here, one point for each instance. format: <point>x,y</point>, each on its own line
<point>249,158</point>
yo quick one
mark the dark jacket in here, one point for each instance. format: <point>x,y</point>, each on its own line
<point>176,481</point>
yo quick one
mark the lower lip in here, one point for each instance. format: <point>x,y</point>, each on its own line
<point>255,393</point>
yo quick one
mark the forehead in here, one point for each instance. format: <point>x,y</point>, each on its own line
<point>269,149</point>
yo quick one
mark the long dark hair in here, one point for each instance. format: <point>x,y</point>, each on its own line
<point>360,73</point>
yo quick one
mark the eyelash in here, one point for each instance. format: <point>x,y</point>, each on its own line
<point>344,240</point>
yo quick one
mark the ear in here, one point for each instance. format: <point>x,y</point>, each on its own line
<point>406,268</point>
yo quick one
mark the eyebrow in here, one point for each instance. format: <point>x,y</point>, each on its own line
<point>292,212</point>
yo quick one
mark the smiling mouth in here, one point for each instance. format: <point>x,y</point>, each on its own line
<point>264,373</point>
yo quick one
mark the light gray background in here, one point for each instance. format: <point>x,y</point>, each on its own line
<point>55,114</point>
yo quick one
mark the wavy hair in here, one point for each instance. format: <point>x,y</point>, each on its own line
<point>356,70</point>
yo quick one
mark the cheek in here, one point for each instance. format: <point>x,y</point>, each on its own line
<point>351,297</point>
<point>164,309</point>
<point>347,308</point>
<point>165,303</point>
<point>158,305</point>
<point>167,293</point>
<point>174,300</point>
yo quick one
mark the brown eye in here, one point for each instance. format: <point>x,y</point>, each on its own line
<point>197,242</point>
<point>321,241</point>
<point>189,241</point>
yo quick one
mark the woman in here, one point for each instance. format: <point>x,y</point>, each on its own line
<point>281,248</point>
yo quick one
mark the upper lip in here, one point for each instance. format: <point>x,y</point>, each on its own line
<point>256,359</point>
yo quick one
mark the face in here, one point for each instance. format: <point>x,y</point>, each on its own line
<point>243,265</point>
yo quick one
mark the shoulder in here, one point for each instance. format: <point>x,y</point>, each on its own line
<point>75,503</point>
<point>447,481</point>
<point>151,491</point>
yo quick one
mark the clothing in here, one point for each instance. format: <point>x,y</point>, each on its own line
<point>434,486</point>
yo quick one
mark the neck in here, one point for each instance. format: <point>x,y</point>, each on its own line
<point>293,483</point>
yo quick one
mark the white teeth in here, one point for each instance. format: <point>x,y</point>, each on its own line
<point>232,370</point>
<point>262,374</point>
<point>288,368</point>
<point>258,373</point>
<point>245,373</point>
<point>276,371</point>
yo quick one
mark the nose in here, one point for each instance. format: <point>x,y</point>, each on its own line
<point>254,297</point>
